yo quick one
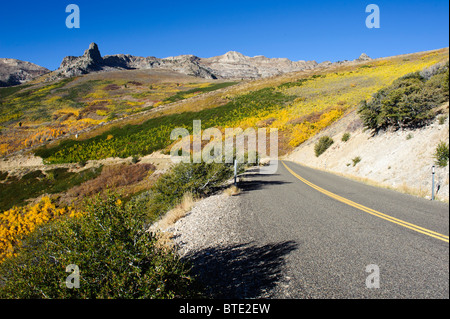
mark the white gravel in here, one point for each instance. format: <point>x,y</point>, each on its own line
<point>212,222</point>
<point>217,239</point>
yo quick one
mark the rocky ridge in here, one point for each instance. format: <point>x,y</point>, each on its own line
<point>15,72</point>
<point>92,61</point>
<point>232,65</point>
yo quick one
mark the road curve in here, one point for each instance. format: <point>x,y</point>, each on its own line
<point>345,233</point>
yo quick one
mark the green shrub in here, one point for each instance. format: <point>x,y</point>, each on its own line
<point>356,160</point>
<point>408,102</point>
<point>116,255</point>
<point>3,175</point>
<point>442,119</point>
<point>135,159</point>
<point>288,85</point>
<point>441,154</point>
<point>82,163</point>
<point>345,137</point>
<point>182,94</point>
<point>322,145</point>
<point>6,91</point>
<point>199,179</point>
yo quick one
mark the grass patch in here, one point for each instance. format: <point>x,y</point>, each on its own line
<point>16,191</point>
<point>7,91</point>
<point>441,119</point>
<point>178,212</point>
<point>233,190</point>
<point>184,94</point>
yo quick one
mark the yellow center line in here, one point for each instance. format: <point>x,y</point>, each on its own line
<point>370,210</point>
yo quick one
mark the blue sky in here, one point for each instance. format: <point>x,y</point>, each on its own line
<point>324,30</point>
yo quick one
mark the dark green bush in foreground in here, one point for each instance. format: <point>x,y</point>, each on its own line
<point>116,256</point>
<point>198,179</point>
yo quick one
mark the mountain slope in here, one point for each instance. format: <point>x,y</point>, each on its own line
<point>15,72</point>
<point>40,111</point>
<point>400,160</point>
<point>393,137</point>
<point>298,104</point>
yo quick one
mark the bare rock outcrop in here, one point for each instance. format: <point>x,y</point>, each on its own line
<point>363,57</point>
<point>236,65</point>
<point>15,72</point>
<point>229,66</point>
<point>90,61</point>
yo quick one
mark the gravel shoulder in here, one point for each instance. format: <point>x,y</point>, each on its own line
<point>213,221</point>
<point>232,264</point>
<point>281,239</point>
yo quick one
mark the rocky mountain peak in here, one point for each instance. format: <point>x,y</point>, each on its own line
<point>233,56</point>
<point>93,53</point>
<point>364,57</point>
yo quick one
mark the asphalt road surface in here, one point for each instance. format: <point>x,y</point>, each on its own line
<point>338,238</point>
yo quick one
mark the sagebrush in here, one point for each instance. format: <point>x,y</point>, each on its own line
<point>408,102</point>
<point>322,145</point>
<point>116,255</point>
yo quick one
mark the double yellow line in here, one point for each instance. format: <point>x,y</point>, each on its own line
<point>370,210</point>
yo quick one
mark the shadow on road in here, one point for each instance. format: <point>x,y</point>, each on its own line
<point>252,185</point>
<point>253,180</point>
<point>241,270</point>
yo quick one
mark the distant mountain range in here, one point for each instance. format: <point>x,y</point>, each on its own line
<point>232,65</point>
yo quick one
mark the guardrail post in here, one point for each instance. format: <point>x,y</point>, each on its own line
<point>432,182</point>
<point>235,171</point>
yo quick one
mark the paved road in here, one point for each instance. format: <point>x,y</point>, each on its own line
<point>332,230</point>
